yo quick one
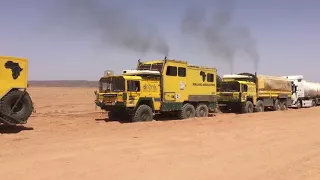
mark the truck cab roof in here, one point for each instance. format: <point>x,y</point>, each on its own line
<point>243,79</point>
<point>294,77</point>
<point>140,72</point>
<point>235,76</point>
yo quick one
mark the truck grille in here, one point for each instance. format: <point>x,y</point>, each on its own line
<point>110,95</point>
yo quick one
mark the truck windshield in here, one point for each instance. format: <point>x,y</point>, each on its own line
<point>151,67</point>
<point>112,84</point>
<point>230,87</point>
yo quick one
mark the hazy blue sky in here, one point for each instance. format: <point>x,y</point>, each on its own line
<point>287,34</point>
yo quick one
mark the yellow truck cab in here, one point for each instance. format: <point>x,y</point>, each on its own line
<point>15,103</point>
<point>158,86</point>
<point>247,93</point>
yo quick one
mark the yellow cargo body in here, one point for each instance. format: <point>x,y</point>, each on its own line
<point>189,83</point>
<point>273,86</point>
<point>13,73</point>
<point>15,103</point>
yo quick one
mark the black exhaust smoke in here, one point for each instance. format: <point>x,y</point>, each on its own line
<point>220,36</point>
<point>112,25</point>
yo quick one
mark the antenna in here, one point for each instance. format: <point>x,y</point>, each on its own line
<point>139,62</point>
<point>108,73</point>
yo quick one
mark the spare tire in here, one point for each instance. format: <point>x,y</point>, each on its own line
<point>23,109</point>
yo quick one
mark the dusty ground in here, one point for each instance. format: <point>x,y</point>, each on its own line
<point>64,141</point>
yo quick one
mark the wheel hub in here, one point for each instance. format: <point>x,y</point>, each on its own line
<point>188,113</point>
<point>202,112</point>
<point>144,116</point>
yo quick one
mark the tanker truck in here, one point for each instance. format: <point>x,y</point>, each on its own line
<point>304,93</point>
<point>247,93</point>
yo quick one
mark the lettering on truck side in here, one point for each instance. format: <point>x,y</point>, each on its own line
<point>203,84</point>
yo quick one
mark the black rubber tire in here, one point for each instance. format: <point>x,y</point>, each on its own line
<point>143,113</point>
<point>23,109</point>
<point>224,109</point>
<point>112,116</point>
<point>299,104</point>
<point>187,111</point>
<point>202,110</point>
<point>248,107</point>
<point>276,106</point>
<point>124,116</point>
<point>283,106</point>
<point>259,106</point>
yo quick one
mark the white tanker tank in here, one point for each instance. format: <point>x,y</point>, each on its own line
<point>311,89</point>
<point>305,93</point>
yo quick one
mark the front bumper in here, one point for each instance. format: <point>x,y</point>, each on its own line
<point>229,103</point>
<point>110,107</point>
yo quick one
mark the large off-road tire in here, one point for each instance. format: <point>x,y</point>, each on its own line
<point>202,110</point>
<point>248,107</point>
<point>23,109</point>
<point>143,113</point>
<point>124,116</point>
<point>187,111</point>
<point>259,106</point>
<point>299,104</point>
<point>283,106</point>
<point>277,106</point>
<point>224,109</point>
<point>112,116</point>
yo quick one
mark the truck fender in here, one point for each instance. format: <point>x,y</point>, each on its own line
<point>147,101</point>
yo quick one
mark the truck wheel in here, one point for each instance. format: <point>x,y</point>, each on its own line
<point>143,113</point>
<point>299,104</point>
<point>202,110</point>
<point>224,109</point>
<point>248,107</point>
<point>259,106</point>
<point>276,106</point>
<point>23,109</point>
<point>124,116</point>
<point>283,106</point>
<point>187,111</point>
<point>112,116</point>
<point>314,104</point>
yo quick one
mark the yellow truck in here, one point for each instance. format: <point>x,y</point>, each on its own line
<point>247,93</point>
<point>15,102</point>
<point>156,87</point>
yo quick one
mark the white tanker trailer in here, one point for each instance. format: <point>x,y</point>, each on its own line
<point>304,93</point>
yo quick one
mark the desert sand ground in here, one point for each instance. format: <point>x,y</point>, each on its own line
<point>67,140</point>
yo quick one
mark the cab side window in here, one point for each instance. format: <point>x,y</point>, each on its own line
<point>182,72</point>
<point>210,77</point>
<point>244,88</point>
<point>133,86</point>
<point>171,71</point>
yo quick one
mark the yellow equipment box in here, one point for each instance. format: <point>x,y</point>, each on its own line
<point>15,103</point>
